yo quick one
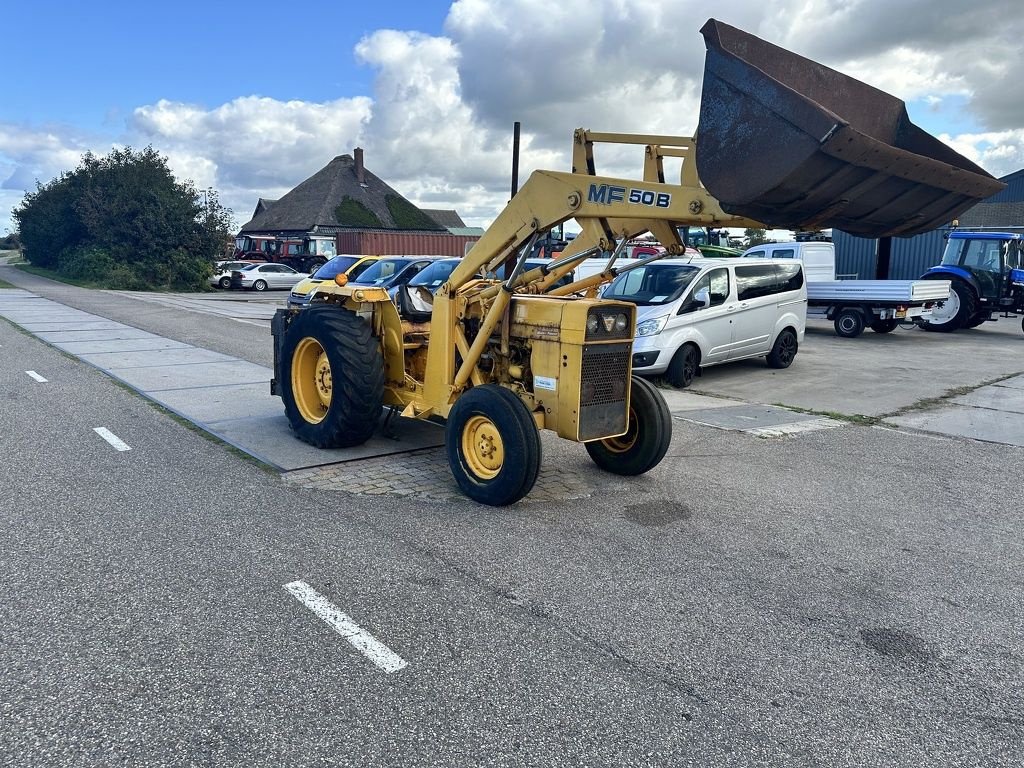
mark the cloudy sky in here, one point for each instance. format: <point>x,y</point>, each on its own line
<point>252,98</point>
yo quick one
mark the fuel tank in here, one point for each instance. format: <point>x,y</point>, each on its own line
<point>797,145</point>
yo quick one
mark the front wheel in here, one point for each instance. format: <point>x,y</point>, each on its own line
<point>849,323</point>
<point>333,384</point>
<point>648,434</point>
<point>784,350</point>
<point>683,367</point>
<point>259,285</point>
<point>493,445</point>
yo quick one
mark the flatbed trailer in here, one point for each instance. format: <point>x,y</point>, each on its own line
<point>853,305</point>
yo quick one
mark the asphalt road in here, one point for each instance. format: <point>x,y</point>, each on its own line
<point>844,597</point>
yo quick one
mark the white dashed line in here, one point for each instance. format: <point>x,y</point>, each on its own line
<point>111,438</point>
<point>35,376</point>
<point>360,639</point>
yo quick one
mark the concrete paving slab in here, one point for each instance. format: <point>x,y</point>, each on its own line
<point>678,401</point>
<point>1017,382</point>
<point>271,440</point>
<point>185,355</point>
<point>60,337</point>
<point>996,397</point>
<point>46,315</point>
<point>222,403</point>
<point>745,417</point>
<point>963,421</point>
<point>760,420</point>
<point>119,345</point>
<point>160,378</point>
<point>79,325</point>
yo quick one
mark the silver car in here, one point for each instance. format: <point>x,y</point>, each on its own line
<point>260,277</point>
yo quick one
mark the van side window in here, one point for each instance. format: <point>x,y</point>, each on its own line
<point>767,279</point>
<point>783,253</point>
<point>755,255</point>
<point>717,283</point>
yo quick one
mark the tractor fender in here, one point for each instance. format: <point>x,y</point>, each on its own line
<point>942,272</point>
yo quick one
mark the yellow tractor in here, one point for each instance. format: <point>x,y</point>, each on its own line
<point>499,360</point>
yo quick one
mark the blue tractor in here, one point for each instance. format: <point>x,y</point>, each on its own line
<point>986,273</point>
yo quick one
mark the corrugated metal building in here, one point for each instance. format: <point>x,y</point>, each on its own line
<point>912,256</point>
<point>369,242</point>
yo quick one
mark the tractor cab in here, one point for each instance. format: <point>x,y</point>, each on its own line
<point>993,262</point>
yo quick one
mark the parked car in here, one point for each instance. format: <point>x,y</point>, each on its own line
<point>260,277</point>
<point>430,277</point>
<point>352,266</point>
<point>392,271</point>
<point>692,314</point>
<point>222,272</point>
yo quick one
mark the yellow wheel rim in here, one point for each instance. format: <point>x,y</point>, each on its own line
<point>482,447</point>
<point>623,443</point>
<point>312,385</point>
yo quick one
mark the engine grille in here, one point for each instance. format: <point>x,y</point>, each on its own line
<point>604,383</point>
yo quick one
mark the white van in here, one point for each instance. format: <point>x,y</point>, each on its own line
<point>819,257</point>
<point>692,313</point>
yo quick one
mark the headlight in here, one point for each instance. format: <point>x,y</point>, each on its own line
<point>592,324</point>
<point>651,327</point>
<point>620,323</point>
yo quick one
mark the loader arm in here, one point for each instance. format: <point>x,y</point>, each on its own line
<point>607,208</point>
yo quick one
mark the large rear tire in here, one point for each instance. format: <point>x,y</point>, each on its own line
<point>648,434</point>
<point>493,445</point>
<point>956,311</point>
<point>333,385</point>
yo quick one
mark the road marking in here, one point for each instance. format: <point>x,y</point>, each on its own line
<point>359,638</point>
<point>111,438</point>
<point>35,376</point>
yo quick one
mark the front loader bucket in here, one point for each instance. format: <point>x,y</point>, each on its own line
<point>796,145</point>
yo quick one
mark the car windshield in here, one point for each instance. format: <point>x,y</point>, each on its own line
<point>335,267</point>
<point>434,275</point>
<point>381,271</point>
<point>652,284</point>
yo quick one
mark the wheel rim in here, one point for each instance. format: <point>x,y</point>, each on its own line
<point>949,309</point>
<point>788,348</point>
<point>312,383</point>
<point>847,323</point>
<point>482,447</point>
<point>624,443</point>
<point>259,285</point>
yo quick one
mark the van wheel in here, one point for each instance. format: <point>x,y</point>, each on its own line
<point>648,434</point>
<point>683,367</point>
<point>849,323</point>
<point>784,350</point>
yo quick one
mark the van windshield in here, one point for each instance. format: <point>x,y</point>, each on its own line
<point>652,284</point>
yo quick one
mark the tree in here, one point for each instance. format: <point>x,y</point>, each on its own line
<point>755,237</point>
<point>125,222</point>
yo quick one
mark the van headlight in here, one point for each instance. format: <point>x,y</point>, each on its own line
<point>651,327</point>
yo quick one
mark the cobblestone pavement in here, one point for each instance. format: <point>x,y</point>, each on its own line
<point>425,474</point>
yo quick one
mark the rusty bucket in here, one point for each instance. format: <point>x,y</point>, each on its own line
<point>796,145</point>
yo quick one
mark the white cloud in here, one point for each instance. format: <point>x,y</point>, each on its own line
<point>438,125</point>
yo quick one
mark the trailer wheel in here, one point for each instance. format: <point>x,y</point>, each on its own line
<point>884,326</point>
<point>333,385</point>
<point>493,445</point>
<point>783,350</point>
<point>849,323</point>
<point>647,437</point>
<point>955,311</point>
<point>683,367</point>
